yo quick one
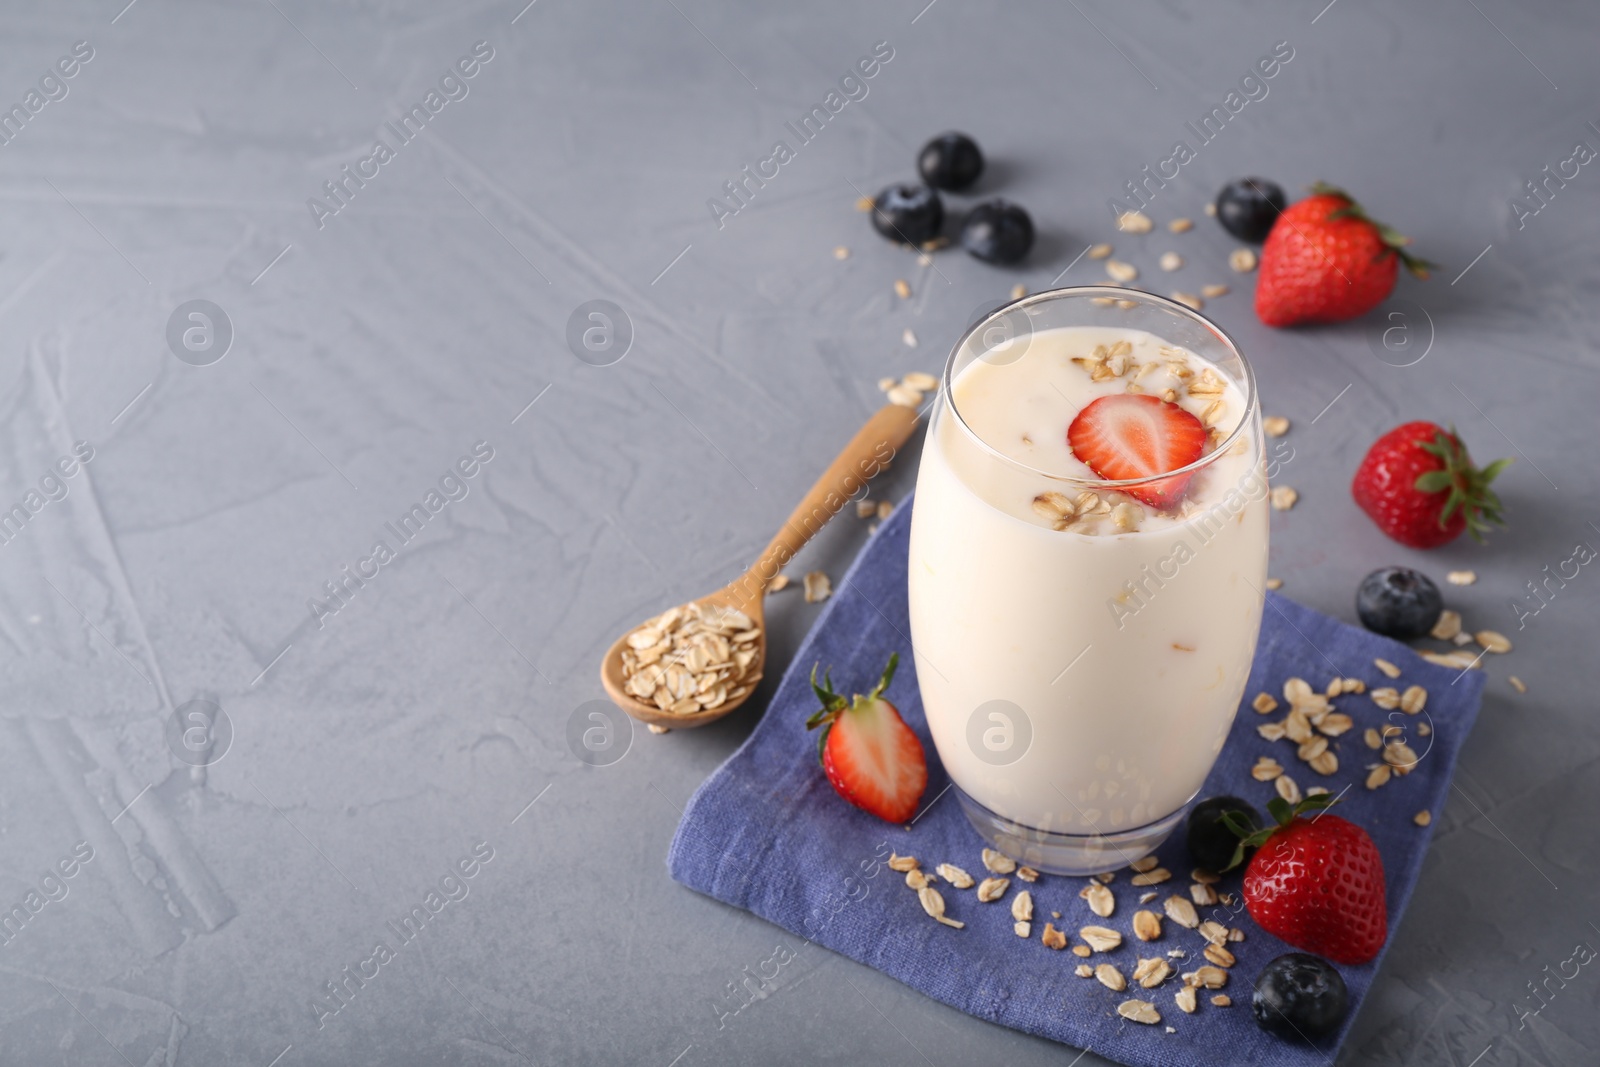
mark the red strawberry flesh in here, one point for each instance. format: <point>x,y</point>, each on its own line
<point>875,761</point>
<point>1134,435</point>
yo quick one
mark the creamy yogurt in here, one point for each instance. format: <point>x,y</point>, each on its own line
<point>1080,674</point>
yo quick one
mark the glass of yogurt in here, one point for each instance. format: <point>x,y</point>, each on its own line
<point>1081,652</point>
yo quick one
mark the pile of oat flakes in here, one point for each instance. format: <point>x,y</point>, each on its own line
<point>1145,926</point>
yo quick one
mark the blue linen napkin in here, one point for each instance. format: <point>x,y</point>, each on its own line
<point>767,833</point>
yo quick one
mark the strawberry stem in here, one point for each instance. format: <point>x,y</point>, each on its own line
<point>1467,485</point>
<point>1283,813</point>
<point>1393,240</point>
<point>834,705</point>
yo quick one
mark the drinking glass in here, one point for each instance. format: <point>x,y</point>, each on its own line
<point>1080,686</point>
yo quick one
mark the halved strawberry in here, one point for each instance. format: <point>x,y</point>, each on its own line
<point>867,751</point>
<point>1135,435</point>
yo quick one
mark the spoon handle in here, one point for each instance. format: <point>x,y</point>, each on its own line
<point>868,452</point>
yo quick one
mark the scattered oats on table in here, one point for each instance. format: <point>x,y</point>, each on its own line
<point>818,587</point>
<point>905,396</point>
<point>998,862</point>
<point>1283,497</point>
<point>1019,291</point>
<point>1120,271</point>
<point>1170,261</point>
<point>1139,1011</point>
<point>1492,641</point>
<point>1448,626</point>
<point>865,509</point>
<point>1154,876</point>
<point>1461,577</point>
<point>864,203</point>
<point>955,875</point>
<point>1099,251</point>
<point>901,863</point>
<point>886,384</point>
<point>1108,976</point>
<point>1101,902</point>
<point>1423,817</point>
<point>921,381</point>
<point>1053,938</point>
<point>1517,684</point>
<point>1274,583</point>
<point>1387,668</point>
<point>1185,998</point>
<point>778,582</point>
<point>885,509</point>
<point>1084,971</point>
<point>1275,425</point>
<point>902,288</point>
<point>908,337</point>
<point>1242,260</point>
<point>1022,906</point>
<point>1211,292</point>
<point>1266,769</point>
<point>1134,222</point>
<point>841,252</point>
<point>1180,225</point>
<point>1146,924</point>
<point>1027,874</point>
<point>1287,789</point>
<point>1144,863</point>
<point>1181,911</point>
<point>657,728</point>
<point>1100,938</point>
<point>992,889</point>
<point>1188,300</point>
<point>1222,1000</point>
<point>924,259</point>
<point>1210,210</point>
<point>1264,703</point>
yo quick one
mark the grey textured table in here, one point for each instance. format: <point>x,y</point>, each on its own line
<point>380,744</point>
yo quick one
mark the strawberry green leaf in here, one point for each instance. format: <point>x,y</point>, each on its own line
<point>1433,481</point>
<point>887,677</point>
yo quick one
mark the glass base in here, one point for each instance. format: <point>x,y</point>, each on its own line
<point>1058,853</point>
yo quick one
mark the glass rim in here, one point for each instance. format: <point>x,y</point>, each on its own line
<point>1045,296</point>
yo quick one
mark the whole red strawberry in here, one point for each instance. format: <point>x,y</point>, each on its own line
<point>1317,883</point>
<point>1419,485</point>
<point>867,751</point>
<point>1325,261</point>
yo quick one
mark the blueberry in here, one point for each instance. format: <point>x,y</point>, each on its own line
<point>950,161</point>
<point>1398,602</point>
<point>1210,842</point>
<point>1299,995</point>
<point>908,214</point>
<point>1247,208</point>
<point>997,231</point>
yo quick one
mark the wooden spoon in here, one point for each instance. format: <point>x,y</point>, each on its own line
<point>866,454</point>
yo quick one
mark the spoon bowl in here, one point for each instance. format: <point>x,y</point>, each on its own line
<point>866,455</point>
